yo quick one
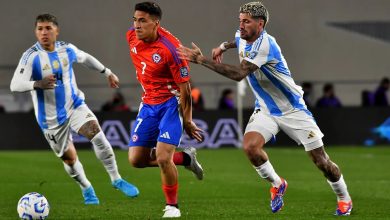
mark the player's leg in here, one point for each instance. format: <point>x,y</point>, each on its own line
<point>260,129</point>
<point>75,170</point>
<point>301,127</point>
<point>335,179</point>
<point>85,123</point>
<point>60,141</point>
<point>164,155</point>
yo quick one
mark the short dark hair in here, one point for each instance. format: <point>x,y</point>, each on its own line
<point>46,18</point>
<point>149,7</point>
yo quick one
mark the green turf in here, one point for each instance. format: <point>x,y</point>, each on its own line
<point>231,188</point>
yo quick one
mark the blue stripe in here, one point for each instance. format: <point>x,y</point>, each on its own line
<point>275,53</point>
<point>59,90</point>
<point>77,101</point>
<point>37,75</point>
<point>292,97</point>
<point>269,102</point>
<point>171,48</point>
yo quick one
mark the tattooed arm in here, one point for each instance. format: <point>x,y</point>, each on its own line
<point>230,71</point>
<point>218,51</point>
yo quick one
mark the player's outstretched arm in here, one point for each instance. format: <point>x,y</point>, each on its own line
<point>186,109</point>
<point>217,53</point>
<point>195,55</point>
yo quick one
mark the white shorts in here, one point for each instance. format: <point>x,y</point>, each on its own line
<point>298,125</point>
<point>60,136</point>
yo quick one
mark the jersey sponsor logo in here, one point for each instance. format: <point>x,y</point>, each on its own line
<point>56,64</point>
<point>46,67</point>
<point>156,57</point>
<point>165,135</point>
<point>21,71</point>
<point>184,72</point>
<point>65,62</point>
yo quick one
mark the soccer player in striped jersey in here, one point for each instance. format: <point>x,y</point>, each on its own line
<point>279,104</point>
<point>46,70</point>
<point>166,103</point>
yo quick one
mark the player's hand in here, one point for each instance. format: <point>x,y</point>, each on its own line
<point>217,54</point>
<point>193,131</point>
<point>48,82</point>
<point>193,55</point>
<point>113,81</point>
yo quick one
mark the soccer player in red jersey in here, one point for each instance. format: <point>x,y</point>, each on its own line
<point>166,103</point>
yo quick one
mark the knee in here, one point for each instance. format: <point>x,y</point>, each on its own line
<point>252,146</point>
<point>163,162</point>
<point>136,163</point>
<point>70,161</point>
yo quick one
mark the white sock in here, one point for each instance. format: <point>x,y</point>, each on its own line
<point>340,188</point>
<point>77,173</point>
<point>266,171</point>
<point>104,153</point>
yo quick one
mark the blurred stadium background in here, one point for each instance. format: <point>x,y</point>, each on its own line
<point>343,42</point>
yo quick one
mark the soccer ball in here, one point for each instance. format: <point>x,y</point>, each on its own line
<point>33,206</point>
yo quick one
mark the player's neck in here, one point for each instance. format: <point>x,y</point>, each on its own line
<point>152,38</point>
<point>49,48</point>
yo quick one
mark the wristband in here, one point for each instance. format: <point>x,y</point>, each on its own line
<point>222,46</point>
<point>106,71</point>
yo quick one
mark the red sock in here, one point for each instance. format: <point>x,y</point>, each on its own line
<point>178,158</point>
<point>170,193</point>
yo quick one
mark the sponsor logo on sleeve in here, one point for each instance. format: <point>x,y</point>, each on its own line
<point>184,72</point>
<point>156,57</point>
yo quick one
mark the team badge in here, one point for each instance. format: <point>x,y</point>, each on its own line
<point>56,64</point>
<point>156,57</point>
<point>134,138</point>
<point>184,72</point>
<point>252,54</point>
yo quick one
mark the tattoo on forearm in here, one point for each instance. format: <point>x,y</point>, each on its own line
<point>230,71</point>
<point>231,44</point>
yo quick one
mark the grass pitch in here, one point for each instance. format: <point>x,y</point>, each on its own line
<point>231,188</point>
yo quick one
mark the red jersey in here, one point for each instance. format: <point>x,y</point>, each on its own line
<point>158,66</point>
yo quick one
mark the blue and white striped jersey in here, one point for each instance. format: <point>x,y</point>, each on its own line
<point>52,106</point>
<point>275,90</point>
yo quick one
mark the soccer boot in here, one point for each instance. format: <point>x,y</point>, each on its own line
<point>171,212</point>
<point>127,188</point>
<point>344,208</point>
<point>90,197</point>
<point>277,194</point>
<point>194,166</point>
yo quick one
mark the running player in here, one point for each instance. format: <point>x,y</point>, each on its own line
<point>279,103</point>
<point>46,70</point>
<point>166,103</point>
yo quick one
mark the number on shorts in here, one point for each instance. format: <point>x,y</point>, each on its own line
<point>52,138</point>
<point>139,120</point>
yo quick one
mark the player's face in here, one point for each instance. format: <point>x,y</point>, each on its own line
<point>145,26</point>
<point>250,28</point>
<point>46,33</point>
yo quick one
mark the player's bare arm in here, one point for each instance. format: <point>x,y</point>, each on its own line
<point>48,82</point>
<point>186,109</point>
<point>218,51</point>
<point>230,71</point>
